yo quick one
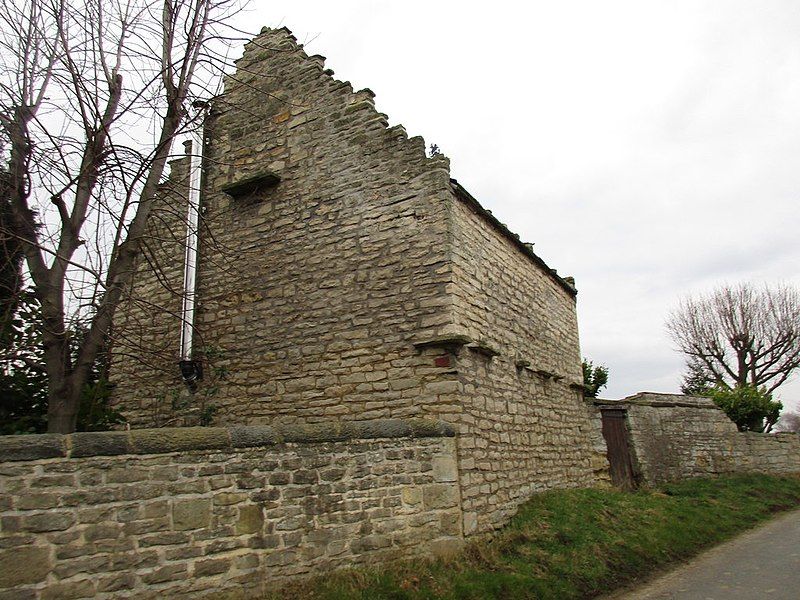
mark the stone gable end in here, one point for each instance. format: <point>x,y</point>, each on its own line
<point>344,276</point>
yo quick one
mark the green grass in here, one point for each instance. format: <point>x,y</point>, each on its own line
<point>576,543</point>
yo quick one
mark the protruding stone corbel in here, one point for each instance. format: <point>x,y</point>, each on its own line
<point>450,342</point>
<point>245,187</point>
<point>484,349</point>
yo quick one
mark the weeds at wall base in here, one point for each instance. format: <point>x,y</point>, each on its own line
<point>577,543</point>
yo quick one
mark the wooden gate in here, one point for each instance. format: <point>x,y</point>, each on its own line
<point>615,431</point>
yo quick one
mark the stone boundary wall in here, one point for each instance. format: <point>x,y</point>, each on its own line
<point>675,437</point>
<point>216,512</point>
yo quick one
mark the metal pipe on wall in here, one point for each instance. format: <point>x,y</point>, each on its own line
<point>191,369</point>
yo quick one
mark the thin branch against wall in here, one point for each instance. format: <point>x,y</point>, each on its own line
<point>89,110</point>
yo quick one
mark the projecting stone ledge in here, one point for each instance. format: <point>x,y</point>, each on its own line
<point>249,185</point>
<point>484,349</point>
<point>182,439</point>
<point>448,342</point>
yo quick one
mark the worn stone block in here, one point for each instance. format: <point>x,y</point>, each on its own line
<point>191,514</point>
<point>279,558</point>
<point>100,443</point>
<point>215,566</point>
<point>445,469</point>
<point>126,474</point>
<point>250,520</point>
<point>163,538</point>
<point>165,574</point>
<point>116,583</point>
<point>32,447</point>
<point>158,441</point>
<point>305,477</point>
<point>50,521</point>
<point>65,480</point>
<point>90,564</point>
<point>447,547</point>
<point>412,495</point>
<point>229,498</point>
<point>155,508</point>
<point>83,588</point>
<point>440,495</point>
<point>253,436</point>
<point>38,501</point>
<point>470,523</point>
<point>280,478</point>
<point>19,594</point>
<point>99,532</point>
<point>24,565</point>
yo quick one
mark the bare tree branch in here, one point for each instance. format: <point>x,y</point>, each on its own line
<point>87,154</point>
<point>741,335</point>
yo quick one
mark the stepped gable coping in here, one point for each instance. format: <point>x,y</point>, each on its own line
<point>184,439</point>
<point>284,34</point>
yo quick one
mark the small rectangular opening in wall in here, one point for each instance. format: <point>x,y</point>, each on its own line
<point>251,185</point>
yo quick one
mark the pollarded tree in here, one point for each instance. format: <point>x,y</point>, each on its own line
<point>92,96</point>
<point>739,336</point>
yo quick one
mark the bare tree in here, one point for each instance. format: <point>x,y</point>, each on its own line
<point>92,96</point>
<point>739,336</point>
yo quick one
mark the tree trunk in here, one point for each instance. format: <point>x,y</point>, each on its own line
<point>63,401</point>
<point>62,412</point>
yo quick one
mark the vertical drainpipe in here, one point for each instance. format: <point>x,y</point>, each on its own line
<point>192,370</point>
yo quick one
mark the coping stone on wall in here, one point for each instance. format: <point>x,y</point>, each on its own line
<point>659,400</point>
<point>182,439</point>
<point>32,447</point>
<point>100,443</point>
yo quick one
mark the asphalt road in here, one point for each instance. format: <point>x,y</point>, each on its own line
<point>761,564</point>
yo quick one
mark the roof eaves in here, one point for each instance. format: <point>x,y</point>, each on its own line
<point>470,200</point>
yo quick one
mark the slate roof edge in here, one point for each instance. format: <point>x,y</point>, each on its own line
<point>463,195</point>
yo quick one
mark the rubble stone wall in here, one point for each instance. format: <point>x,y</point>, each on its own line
<point>311,291</point>
<point>344,276</point>
<point>525,426</point>
<point>674,437</point>
<point>194,512</point>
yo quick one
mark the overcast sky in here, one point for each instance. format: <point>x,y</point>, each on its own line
<point>650,149</point>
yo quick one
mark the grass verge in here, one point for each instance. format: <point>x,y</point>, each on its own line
<point>576,543</point>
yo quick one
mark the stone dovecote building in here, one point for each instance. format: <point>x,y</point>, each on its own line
<point>343,275</point>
